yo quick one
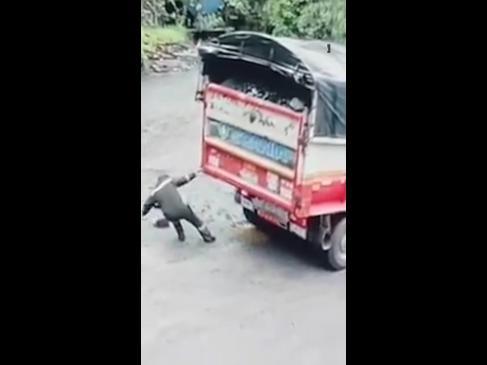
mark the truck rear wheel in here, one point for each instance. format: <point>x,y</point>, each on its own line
<point>337,254</point>
<point>251,217</point>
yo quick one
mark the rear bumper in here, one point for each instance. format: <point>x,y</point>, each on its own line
<point>285,220</point>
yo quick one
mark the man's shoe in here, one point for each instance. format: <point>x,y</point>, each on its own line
<point>209,239</point>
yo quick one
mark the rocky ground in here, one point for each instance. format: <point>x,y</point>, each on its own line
<point>170,58</point>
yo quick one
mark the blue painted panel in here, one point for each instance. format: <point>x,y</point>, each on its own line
<point>253,143</point>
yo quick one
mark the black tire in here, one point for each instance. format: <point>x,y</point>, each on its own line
<point>260,223</point>
<point>251,217</point>
<point>337,254</point>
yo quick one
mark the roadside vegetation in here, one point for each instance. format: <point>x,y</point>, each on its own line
<point>168,21</point>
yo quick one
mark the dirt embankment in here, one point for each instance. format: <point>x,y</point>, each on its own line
<point>169,58</point>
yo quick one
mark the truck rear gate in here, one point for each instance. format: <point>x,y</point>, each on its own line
<point>285,159</point>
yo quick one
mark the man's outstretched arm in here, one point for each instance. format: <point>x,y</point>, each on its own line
<point>148,205</point>
<point>183,180</point>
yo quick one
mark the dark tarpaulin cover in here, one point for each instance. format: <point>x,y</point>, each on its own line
<point>307,61</point>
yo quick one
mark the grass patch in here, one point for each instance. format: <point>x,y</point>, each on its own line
<point>152,37</point>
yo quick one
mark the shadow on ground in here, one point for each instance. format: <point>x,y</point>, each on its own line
<point>276,244</point>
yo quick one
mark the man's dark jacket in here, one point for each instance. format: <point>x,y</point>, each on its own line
<point>166,197</point>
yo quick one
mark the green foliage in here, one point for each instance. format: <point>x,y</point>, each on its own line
<point>210,21</point>
<point>323,20</point>
<point>282,15</point>
<point>154,13</point>
<point>246,14</point>
<point>317,19</point>
<point>240,7</point>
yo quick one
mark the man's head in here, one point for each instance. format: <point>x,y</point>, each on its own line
<point>161,178</point>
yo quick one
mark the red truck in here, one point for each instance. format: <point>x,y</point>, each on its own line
<point>274,127</point>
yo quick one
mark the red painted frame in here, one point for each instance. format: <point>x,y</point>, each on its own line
<point>324,196</point>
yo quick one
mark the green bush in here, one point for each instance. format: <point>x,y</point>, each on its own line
<point>281,16</point>
<point>154,36</point>
<point>323,20</point>
<point>317,19</point>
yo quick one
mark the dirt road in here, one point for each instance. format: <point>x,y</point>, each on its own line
<point>248,298</point>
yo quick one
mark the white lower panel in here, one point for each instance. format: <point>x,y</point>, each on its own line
<point>281,217</point>
<point>322,158</point>
<point>298,230</point>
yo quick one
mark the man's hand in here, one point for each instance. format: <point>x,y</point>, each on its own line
<point>145,210</point>
<point>195,174</point>
<point>180,181</point>
<point>148,205</point>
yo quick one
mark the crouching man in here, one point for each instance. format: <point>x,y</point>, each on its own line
<point>166,197</point>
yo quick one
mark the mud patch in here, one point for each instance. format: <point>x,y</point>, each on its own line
<point>251,235</point>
